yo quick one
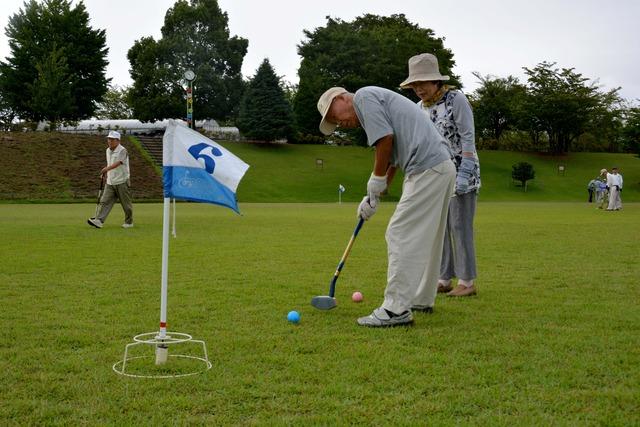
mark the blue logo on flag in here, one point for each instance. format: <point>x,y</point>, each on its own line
<point>197,152</point>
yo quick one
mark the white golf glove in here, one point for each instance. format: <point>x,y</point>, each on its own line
<point>367,208</point>
<point>376,185</point>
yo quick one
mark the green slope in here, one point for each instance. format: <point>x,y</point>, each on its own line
<point>288,173</point>
<point>38,166</point>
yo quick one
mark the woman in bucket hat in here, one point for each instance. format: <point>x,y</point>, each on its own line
<point>451,113</point>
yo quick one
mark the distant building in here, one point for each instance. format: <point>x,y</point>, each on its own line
<point>137,127</point>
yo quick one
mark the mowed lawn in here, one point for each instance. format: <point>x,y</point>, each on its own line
<point>551,339</point>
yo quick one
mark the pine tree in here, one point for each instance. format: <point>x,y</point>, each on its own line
<point>265,112</point>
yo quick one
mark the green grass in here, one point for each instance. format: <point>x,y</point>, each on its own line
<point>288,173</point>
<point>282,173</point>
<point>551,339</point>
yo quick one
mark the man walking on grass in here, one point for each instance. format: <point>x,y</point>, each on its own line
<point>403,138</point>
<point>117,175</point>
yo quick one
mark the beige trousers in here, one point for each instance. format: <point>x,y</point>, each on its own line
<point>415,236</point>
<point>112,193</point>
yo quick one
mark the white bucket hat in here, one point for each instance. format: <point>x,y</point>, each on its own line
<point>423,68</point>
<point>114,134</point>
<point>324,103</point>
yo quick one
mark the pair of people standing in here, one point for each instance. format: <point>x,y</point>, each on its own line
<point>405,138</point>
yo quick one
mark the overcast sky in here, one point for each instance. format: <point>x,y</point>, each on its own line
<point>599,39</point>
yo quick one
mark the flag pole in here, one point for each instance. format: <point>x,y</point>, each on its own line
<point>165,268</point>
<point>162,350</point>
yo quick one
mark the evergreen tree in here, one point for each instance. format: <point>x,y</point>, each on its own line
<point>265,112</point>
<point>56,68</point>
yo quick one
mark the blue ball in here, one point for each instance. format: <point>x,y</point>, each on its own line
<point>293,317</point>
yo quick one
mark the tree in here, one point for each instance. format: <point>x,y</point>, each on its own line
<point>523,172</point>
<point>631,130</point>
<point>496,103</point>
<point>114,105</point>
<point>56,68</point>
<point>51,91</point>
<point>7,115</point>
<point>371,50</point>
<point>563,104</point>
<point>265,113</point>
<point>195,36</point>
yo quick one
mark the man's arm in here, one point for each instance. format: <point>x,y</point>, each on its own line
<point>391,172</point>
<point>113,166</point>
<point>384,148</point>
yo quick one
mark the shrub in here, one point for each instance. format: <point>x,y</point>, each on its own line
<point>523,172</point>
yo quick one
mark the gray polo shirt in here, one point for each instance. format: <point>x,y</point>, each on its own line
<point>417,145</point>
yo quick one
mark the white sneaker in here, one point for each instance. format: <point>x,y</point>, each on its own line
<point>125,225</point>
<point>379,319</point>
<point>94,222</point>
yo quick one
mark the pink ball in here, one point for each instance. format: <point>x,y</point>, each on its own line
<point>357,297</point>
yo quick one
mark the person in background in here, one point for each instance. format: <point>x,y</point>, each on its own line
<point>117,174</point>
<point>591,188</point>
<point>614,182</point>
<point>601,189</point>
<point>451,113</point>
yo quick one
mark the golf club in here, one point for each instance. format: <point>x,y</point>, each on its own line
<point>327,302</point>
<point>99,195</point>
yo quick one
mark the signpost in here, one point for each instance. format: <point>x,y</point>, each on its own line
<point>190,76</point>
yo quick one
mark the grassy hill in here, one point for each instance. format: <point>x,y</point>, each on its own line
<point>42,166</point>
<point>57,167</point>
<point>289,173</point>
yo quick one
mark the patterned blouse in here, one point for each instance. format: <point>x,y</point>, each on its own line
<point>453,118</point>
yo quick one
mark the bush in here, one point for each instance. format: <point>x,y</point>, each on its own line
<point>523,172</point>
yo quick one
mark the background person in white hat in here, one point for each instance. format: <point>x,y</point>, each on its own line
<point>403,138</point>
<point>602,193</point>
<point>117,186</point>
<point>451,113</point>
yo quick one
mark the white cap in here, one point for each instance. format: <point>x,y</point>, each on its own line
<point>324,103</point>
<point>114,134</point>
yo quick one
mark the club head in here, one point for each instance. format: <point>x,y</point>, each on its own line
<point>323,302</point>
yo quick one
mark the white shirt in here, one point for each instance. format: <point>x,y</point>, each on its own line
<point>614,179</point>
<point>119,175</point>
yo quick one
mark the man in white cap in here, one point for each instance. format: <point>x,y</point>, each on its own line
<point>404,138</point>
<point>117,185</point>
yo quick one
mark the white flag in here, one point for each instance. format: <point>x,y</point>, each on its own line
<point>341,188</point>
<point>198,169</point>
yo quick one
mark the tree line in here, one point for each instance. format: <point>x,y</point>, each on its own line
<point>56,72</point>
